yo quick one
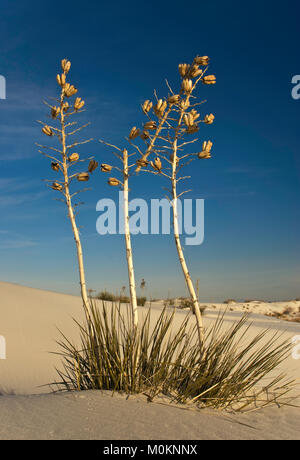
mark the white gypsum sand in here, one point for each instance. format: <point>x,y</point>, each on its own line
<point>29,319</point>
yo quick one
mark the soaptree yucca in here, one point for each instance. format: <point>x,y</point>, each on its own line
<point>172,122</point>
<point>124,170</point>
<point>231,370</point>
<point>65,162</point>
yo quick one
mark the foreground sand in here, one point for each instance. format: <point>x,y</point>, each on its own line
<point>92,415</point>
<point>29,319</point>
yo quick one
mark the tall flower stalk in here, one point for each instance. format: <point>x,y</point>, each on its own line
<point>170,120</point>
<point>124,185</point>
<point>67,159</point>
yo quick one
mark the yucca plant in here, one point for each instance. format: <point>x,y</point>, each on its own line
<point>170,121</point>
<point>125,171</point>
<point>161,357</point>
<point>66,158</point>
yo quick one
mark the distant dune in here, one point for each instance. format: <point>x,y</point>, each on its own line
<point>29,322</point>
<point>288,310</point>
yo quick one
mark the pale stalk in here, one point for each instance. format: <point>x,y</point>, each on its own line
<point>131,277</point>
<point>71,211</point>
<point>187,276</point>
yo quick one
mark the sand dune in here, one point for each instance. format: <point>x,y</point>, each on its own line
<point>288,310</point>
<point>95,415</point>
<point>29,319</point>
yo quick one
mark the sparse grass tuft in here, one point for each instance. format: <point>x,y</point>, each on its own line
<point>226,372</point>
<point>109,297</point>
<point>104,295</point>
<point>141,301</point>
<point>188,303</point>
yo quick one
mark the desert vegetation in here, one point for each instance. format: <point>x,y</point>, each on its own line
<point>121,298</point>
<point>174,120</point>
<point>120,351</point>
<point>159,358</point>
<point>169,121</point>
<point>64,158</point>
<point>125,170</point>
<point>288,314</point>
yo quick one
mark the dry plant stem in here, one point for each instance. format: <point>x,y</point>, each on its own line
<point>151,145</point>
<point>183,264</point>
<point>71,210</point>
<point>131,277</point>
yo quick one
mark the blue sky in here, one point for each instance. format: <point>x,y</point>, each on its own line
<point>120,53</point>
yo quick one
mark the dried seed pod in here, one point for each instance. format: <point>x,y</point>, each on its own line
<point>206,148</point>
<point>195,71</point>
<point>83,177</point>
<point>142,163</point>
<point>192,129</point>
<point>187,85</point>
<point>204,155</point>
<point>65,106</point>
<point>209,119</point>
<point>47,130</point>
<point>156,164</point>
<point>61,79</point>
<point>174,99</point>
<point>184,104</point>
<point>145,135</point>
<point>70,90</point>
<point>194,114</point>
<point>55,166</point>
<point>78,104</point>
<point>113,182</point>
<point>150,125</point>
<point>159,104</point>
<point>209,80</point>
<point>56,186</point>
<point>183,69</point>
<point>73,157</point>
<point>201,60</point>
<point>188,119</point>
<point>160,107</point>
<point>92,166</point>
<point>105,168</point>
<point>65,65</point>
<point>73,90</point>
<point>55,112</point>
<point>147,106</point>
<point>207,145</point>
<point>134,133</point>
